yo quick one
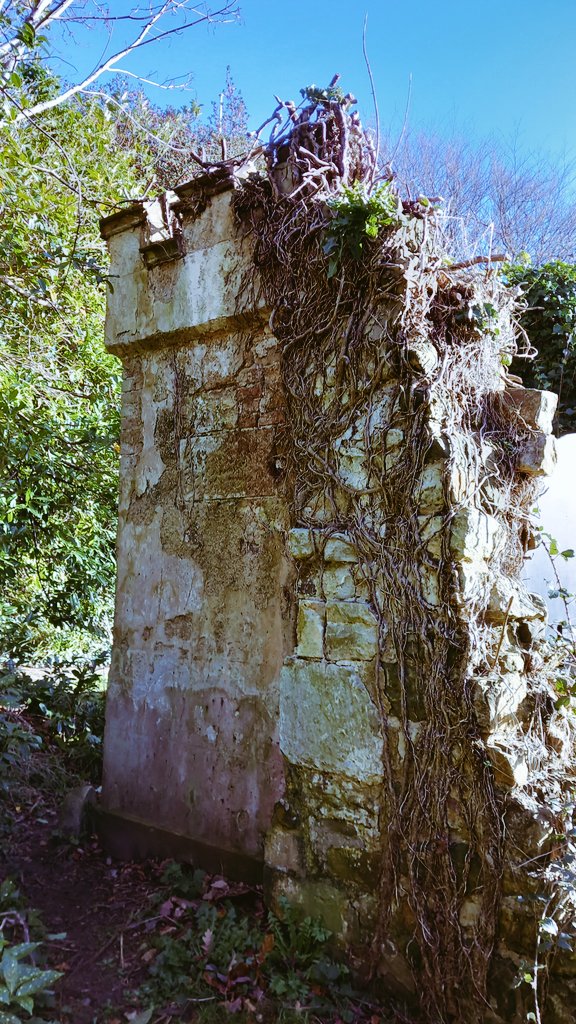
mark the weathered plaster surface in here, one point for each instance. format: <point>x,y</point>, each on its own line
<point>202,617</point>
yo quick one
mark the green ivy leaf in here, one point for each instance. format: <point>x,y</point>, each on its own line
<point>332,267</point>
<point>10,969</point>
<point>26,1002</point>
<point>37,983</point>
<point>548,926</point>
<point>23,949</point>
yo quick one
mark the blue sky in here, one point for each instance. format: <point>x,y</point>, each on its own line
<point>498,67</point>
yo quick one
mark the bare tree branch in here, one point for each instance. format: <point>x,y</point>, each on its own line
<point>25,293</point>
<point>151,30</point>
<point>374,100</point>
<point>169,86</point>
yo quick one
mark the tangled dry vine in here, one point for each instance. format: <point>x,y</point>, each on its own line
<point>397,309</point>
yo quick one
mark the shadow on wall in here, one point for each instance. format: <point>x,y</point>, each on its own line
<point>557,517</point>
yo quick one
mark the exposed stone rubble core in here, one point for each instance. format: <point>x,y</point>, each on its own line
<point>265,700</point>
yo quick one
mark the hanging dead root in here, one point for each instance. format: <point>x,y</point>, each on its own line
<point>341,339</point>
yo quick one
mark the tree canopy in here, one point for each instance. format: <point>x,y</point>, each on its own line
<point>31,30</point>
<point>502,200</point>
<point>58,408</point>
<point>497,195</point>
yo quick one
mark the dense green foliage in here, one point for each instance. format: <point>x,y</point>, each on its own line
<point>59,390</point>
<point>61,710</point>
<point>24,986</point>
<point>549,321</point>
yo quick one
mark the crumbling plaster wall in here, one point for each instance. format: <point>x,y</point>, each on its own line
<point>203,616</point>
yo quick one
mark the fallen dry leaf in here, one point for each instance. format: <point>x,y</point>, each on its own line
<point>268,944</point>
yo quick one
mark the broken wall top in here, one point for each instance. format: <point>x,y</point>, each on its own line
<point>176,267</point>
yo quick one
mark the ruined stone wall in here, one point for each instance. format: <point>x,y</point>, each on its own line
<point>202,613</point>
<point>272,696</point>
<point>353,714</point>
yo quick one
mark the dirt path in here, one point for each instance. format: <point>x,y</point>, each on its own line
<point>91,902</point>
<point>104,921</point>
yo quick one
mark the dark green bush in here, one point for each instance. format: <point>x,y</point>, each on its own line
<point>550,324</point>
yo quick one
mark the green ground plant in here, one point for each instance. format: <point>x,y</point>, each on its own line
<point>241,957</point>
<point>17,741</point>
<point>22,984</point>
<point>63,708</point>
<point>25,988</point>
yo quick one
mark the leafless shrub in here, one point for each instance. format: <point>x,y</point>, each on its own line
<point>516,201</point>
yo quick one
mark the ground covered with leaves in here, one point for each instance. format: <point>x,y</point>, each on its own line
<point>88,940</point>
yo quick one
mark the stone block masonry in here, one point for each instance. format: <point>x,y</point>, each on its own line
<point>289,674</point>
